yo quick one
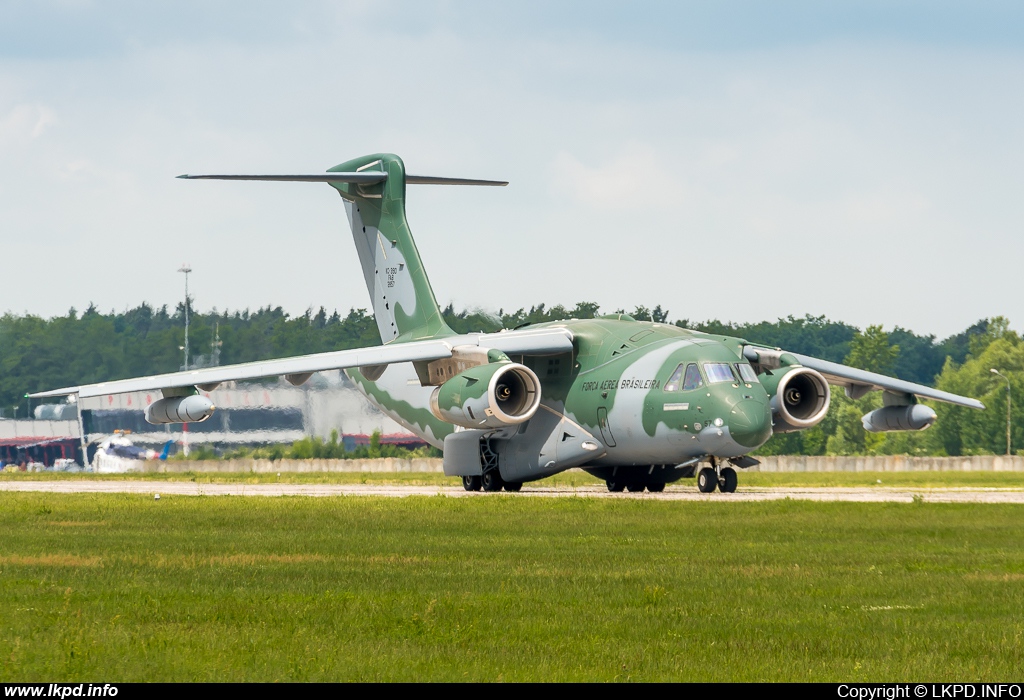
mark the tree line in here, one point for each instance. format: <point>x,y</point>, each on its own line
<point>92,346</point>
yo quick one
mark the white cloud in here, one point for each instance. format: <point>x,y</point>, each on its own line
<point>875,159</point>
<point>25,122</point>
<point>636,177</point>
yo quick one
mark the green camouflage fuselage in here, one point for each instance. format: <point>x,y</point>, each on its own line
<point>616,385</point>
<point>607,403</point>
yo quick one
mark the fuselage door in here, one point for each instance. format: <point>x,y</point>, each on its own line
<point>606,430</point>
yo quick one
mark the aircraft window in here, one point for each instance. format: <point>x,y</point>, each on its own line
<point>718,372</point>
<point>692,379</point>
<point>747,373</point>
<point>673,382</point>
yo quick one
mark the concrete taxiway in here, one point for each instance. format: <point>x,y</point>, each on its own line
<point>681,493</point>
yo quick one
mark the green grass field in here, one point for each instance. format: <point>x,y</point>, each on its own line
<point>122,587</point>
<point>573,477</point>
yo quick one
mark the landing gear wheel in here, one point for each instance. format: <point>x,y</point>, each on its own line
<point>491,481</point>
<point>729,480</point>
<point>513,485</point>
<point>655,488</point>
<point>615,486</point>
<point>707,480</point>
<point>635,487</point>
<point>471,483</point>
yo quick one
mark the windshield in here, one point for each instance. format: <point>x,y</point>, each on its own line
<point>747,372</point>
<point>718,372</point>
<point>673,382</point>
<point>692,379</point>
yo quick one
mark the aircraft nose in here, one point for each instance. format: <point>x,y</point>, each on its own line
<point>750,423</point>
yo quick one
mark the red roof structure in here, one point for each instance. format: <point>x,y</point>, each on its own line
<point>23,450</point>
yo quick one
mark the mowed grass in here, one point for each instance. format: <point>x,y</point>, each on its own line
<point>571,478</point>
<point>122,587</point>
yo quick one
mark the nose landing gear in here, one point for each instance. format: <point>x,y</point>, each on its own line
<point>728,480</point>
<point>717,476</point>
<point>707,480</point>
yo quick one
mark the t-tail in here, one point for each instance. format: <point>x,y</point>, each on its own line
<point>373,188</point>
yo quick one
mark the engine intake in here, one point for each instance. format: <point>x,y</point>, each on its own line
<point>494,395</point>
<point>179,409</point>
<point>800,401</point>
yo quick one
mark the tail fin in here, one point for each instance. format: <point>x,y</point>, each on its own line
<point>165,451</point>
<point>373,188</point>
<point>403,301</point>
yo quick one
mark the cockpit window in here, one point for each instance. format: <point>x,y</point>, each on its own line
<point>718,372</point>
<point>673,382</point>
<point>747,373</point>
<point>692,379</point>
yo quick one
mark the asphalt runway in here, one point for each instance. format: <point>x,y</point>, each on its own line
<point>679,493</point>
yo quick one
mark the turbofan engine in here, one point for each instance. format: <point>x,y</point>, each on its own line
<point>799,400</point>
<point>494,395</point>
<point>179,409</point>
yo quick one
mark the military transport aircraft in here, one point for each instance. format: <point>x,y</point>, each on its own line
<point>635,403</point>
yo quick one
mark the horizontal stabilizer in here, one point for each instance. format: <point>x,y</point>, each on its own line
<point>367,178</point>
<point>362,178</point>
<point>428,180</point>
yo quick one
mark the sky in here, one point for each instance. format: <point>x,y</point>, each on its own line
<point>743,161</point>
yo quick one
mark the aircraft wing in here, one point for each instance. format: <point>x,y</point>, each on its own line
<point>525,342</point>
<point>858,381</point>
<point>861,381</point>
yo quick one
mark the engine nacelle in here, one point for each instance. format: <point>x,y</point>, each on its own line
<point>179,409</point>
<point>892,418</point>
<point>800,398</point>
<point>494,395</point>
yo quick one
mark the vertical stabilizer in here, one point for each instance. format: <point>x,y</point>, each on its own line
<point>403,301</point>
<point>374,191</point>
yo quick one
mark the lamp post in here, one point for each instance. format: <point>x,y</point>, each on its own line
<point>186,269</point>
<point>997,373</point>
<point>184,426</point>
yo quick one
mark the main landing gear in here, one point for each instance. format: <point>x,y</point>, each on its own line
<point>490,481</point>
<point>637,478</point>
<point>619,485</point>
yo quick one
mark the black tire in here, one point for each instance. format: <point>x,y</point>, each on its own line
<point>615,486</point>
<point>635,487</point>
<point>729,480</point>
<point>707,480</point>
<point>471,483</point>
<point>513,485</point>
<point>491,481</point>
<point>656,488</point>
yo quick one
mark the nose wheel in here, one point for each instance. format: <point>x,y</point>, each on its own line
<point>707,480</point>
<point>728,480</point>
<point>723,478</point>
